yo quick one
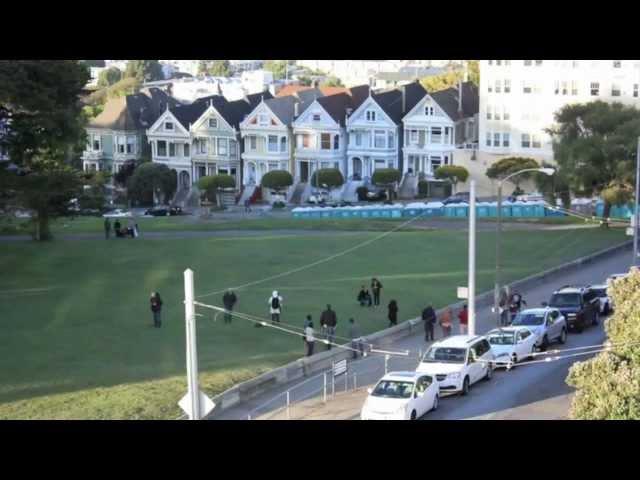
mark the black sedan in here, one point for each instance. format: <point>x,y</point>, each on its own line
<point>163,211</point>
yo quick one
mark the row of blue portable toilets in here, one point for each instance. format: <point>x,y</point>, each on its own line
<point>517,209</point>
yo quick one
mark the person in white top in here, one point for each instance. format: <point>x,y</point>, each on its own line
<point>308,332</point>
<point>275,306</point>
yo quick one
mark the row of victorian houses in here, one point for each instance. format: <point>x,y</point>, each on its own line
<point>356,130</point>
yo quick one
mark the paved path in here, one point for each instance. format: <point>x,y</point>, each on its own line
<point>536,391</point>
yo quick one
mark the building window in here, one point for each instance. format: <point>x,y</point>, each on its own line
<point>283,144</point>
<point>168,125</point>
<point>273,166</point>
<point>378,138</point>
<point>222,146</point>
<point>507,86</point>
<point>635,90</point>
<point>390,140</point>
<point>325,141</point>
<point>316,117</point>
<point>526,87</point>
<point>574,87</point>
<point>263,119</point>
<point>505,113</point>
<point>96,143</point>
<point>172,149</point>
<point>496,139</point>
<point>564,87</point>
<point>488,139</point>
<point>595,89</point>
<point>435,163</point>
<point>575,63</point>
<point>428,111</point>
<point>489,112</point>
<point>358,139</point>
<point>120,144</point>
<point>253,142</point>
<point>413,137</point>
<point>162,148</point>
<point>617,64</point>
<point>202,143</point>
<point>526,140</point>
<point>213,123</point>
<point>336,142</point>
<point>556,87</point>
<point>535,141</point>
<point>498,62</point>
<point>615,90</point>
<point>272,145</point>
<point>497,114</point>
<point>131,145</point>
<point>489,87</point>
<point>498,86</point>
<point>490,62</point>
<point>538,63</point>
<point>507,63</point>
<point>528,63</point>
<point>436,134</point>
<point>233,147</point>
<point>306,140</point>
<point>371,116</point>
<point>186,149</point>
<point>505,139</point>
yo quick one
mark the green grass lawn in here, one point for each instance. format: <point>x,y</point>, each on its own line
<point>77,340</point>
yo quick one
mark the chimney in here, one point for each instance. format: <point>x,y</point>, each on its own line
<point>296,110</point>
<point>460,98</point>
<point>403,90</point>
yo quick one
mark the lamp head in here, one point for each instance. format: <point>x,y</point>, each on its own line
<point>547,171</point>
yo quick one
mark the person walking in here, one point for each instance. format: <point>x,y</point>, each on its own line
<point>463,316</point>
<point>229,300</point>
<point>393,313</point>
<point>107,228</point>
<point>356,338</point>
<point>309,338</point>
<point>429,318</point>
<point>247,205</point>
<point>275,306</point>
<point>376,287</point>
<point>116,228</point>
<point>306,323</point>
<point>445,322</point>
<point>156,307</point>
<point>328,322</point>
<point>364,297</point>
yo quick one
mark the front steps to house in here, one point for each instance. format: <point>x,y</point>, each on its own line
<point>296,194</point>
<point>247,193</point>
<point>349,191</point>
<point>409,187</point>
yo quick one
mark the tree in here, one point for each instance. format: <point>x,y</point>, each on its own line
<point>151,180</point>
<point>594,145</point>
<point>277,67</point>
<point>212,186</point>
<point>608,386</point>
<point>305,81</point>
<point>554,186</point>
<point>144,70</point>
<point>215,68</point>
<point>39,105</point>
<point>109,76</point>
<point>452,76</point>
<point>506,166</point>
<point>126,171</point>
<point>277,180</point>
<point>94,189</point>
<point>93,63</point>
<point>387,178</point>
<point>331,177</point>
<point>332,81</point>
<point>453,173</point>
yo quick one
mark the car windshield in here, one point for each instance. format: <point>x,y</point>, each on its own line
<point>445,355</point>
<point>504,338</point>
<point>393,389</point>
<point>600,292</point>
<point>565,300</point>
<point>528,319</point>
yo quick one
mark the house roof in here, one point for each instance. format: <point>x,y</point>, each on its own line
<point>448,101</point>
<point>358,95</point>
<point>390,100</point>
<point>255,98</point>
<point>233,112</point>
<point>336,106</point>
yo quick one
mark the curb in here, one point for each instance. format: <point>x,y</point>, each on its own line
<point>307,366</point>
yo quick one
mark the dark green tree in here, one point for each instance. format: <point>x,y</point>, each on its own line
<point>554,187</point>
<point>149,179</point>
<point>506,166</point>
<point>144,70</point>
<point>277,67</point>
<point>277,180</point>
<point>453,173</point>
<point>594,146</point>
<point>212,186</point>
<point>387,178</point>
<point>331,177</point>
<point>109,76</point>
<point>332,81</point>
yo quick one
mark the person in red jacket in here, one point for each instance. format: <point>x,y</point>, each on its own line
<point>463,316</point>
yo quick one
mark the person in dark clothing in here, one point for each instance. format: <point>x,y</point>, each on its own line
<point>116,228</point>
<point>356,339</point>
<point>364,297</point>
<point>429,318</point>
<point>393,313</point>
<point>328,322</point>
<point>228,300</point>
<point>376,287</point>
<point>107,228</point>
<point>247,205</point>
<point>156,307</point>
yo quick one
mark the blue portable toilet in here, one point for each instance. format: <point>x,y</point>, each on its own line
<point>506,209</point>
<point>450,210</point>
<point>482,209</point>
<point>517,209</point>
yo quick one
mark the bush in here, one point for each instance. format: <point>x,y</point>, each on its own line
<point>149,178</point>
<point>506,166</point>
<point>423,189</point>
<point>386,176</point>
<point>278,204</point>
<point>277,180</point>
<point>212,184</point>
<point>331,177</point>
<point>362,193</point>
<point>453,173</point>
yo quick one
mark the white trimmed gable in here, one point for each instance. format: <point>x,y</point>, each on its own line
<point>262,118</point>
<point>419,113</point>
<point>361,117</point>
<point>203,123</point>
<point>159,128</point>
<point>315,117</point>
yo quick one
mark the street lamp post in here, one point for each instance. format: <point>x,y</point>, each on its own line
<point>496,293</point>
<point>635,208</point>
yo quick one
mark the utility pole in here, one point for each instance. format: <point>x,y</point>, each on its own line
<point>192,351</point>
<point>471,290</point>
<point>496,293</point>
<point>635,207</point>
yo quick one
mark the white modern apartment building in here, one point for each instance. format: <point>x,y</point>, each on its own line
<point>518,98</point>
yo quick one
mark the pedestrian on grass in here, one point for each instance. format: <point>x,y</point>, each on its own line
<point>328,322</point>
<point>107,228</point>
<point>275,306</point>
<point>445,322</point>
<point>463,316</point>
<point>393,313</point>
<point>116,228</point>
<point>356,339</point>
<point>247,206</point>
<point>229,300</point>
<point>156,307</point>
<point>364,297</point>
<point>376,287</point>
<point>309,338</point>
<point>429,318</point>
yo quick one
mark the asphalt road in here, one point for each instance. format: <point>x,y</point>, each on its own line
<point>536,391</point>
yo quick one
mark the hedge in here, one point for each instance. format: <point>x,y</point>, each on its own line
<point>332,177</point>
<point>386,176</point>
<point>277,179</point>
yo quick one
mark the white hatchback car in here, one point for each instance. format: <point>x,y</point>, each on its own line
<point>512,344</point>
<point>458,362</point>
<point>605,301</point>
<point>547,324</point>
<point>401,396</point>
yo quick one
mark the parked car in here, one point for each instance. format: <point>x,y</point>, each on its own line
<point>401,396</point>
<point>341,203</point>
<point>163,211</point>
<point>530,197</point>
<point>118,213</point>
<point>318,197</point>
<point>461,197</point>
<point>378,196</point>
<point>579,305</point>
<point>603,297</point>
<point>458,362</point>
<point>512,344</point>
<point>547,324</point>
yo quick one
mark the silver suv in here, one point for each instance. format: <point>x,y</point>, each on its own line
<point>548,324</point>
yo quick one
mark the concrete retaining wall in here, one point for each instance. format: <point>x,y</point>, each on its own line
<point>308,366</point>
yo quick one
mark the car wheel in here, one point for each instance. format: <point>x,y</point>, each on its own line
<point>596,318</point>
<point>533,350</point>
<point>545,344</point>
<point>580,327</point>
<point>607,309</point>
<point>414,415</point>
<point>435,403</point>
<point>465,386</point>
<point>489,374</point>
<point>563,336</point>
<point>514,360</point>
